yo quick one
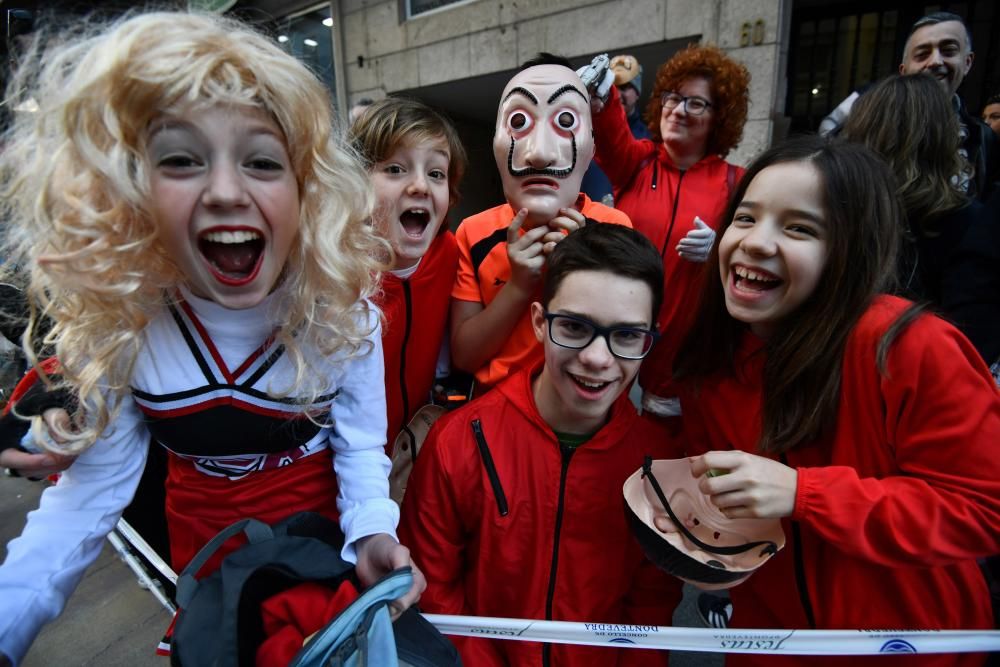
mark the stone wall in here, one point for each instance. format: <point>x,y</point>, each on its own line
<point>384,53</point>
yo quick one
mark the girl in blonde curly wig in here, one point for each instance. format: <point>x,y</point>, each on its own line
<point>194,229</point>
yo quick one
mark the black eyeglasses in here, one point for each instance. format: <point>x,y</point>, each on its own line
<point>577,333</point>
<point>694,105</point>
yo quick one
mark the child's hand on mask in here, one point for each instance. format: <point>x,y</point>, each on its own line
<point>380,554</point>
<point>526,253</point>
<point>568,220</point>
<point>745,485</point>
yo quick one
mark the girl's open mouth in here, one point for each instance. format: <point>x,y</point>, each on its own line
<point>234,255</point>
<point>753,280</point>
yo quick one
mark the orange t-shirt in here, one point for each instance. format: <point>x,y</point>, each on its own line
<point>483,269</point>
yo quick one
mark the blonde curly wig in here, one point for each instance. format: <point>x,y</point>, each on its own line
<point>77,205</point>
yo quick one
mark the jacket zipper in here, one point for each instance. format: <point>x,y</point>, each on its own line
<point>491,469</point>
<point>408,299</point>
<point>800,568</point>
<point>567,454</point>
<point>673,215</point>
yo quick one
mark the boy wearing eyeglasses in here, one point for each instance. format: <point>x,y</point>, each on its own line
<point>516,498</point>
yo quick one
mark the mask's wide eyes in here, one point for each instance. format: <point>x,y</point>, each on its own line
<point>519,121</point>
<point>567,120</point>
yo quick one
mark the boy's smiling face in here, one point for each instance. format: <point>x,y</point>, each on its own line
<point>576,388</point>
<point>412,198</point>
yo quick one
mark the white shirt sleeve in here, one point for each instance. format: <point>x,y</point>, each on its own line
<point>65,534</point>
<point>834,121</point>
<point>358,442</point>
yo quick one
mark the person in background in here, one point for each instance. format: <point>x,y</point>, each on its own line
<point>674,186</point>
<point>358,108</point>
<point>517,496</point>
<point>940,45</point>
<point>991,114</point>
<point>949,256</point>
<point>416,161</point>
<point>628,80</point>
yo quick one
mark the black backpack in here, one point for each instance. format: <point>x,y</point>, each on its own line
<point>219,622</point>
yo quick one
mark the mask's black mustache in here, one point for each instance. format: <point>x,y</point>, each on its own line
<point>531,171</point>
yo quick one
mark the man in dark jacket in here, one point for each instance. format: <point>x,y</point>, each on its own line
<point>940,45</point>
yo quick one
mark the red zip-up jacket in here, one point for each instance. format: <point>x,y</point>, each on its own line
<point>662,202</point>
<point>416,319</point>
<point>513,525</point>
<point>891,509</point>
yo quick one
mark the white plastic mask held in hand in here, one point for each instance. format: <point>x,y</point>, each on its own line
<point>544,141</point>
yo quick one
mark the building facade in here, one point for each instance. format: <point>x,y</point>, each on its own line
<point>804,55</point>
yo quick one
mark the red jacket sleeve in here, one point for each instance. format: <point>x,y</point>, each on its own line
<point>430,526</point>
<point>619,154</point>
<point>942,429</point>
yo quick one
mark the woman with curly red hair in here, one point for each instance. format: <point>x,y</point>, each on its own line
<point>675,186</point>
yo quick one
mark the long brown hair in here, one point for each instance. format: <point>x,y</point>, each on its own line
<point>801,377</point>
<point>909,122</point>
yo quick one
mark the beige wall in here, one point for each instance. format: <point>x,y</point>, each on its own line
<point>486,36</point>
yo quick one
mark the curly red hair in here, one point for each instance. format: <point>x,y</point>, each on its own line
<point>729,82</point>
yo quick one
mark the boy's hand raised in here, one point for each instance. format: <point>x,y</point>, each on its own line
<point>526,253</point>
<point>568,220</point>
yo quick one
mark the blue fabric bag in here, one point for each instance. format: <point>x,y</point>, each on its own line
<point>219,622</point>
<point>361,634</point>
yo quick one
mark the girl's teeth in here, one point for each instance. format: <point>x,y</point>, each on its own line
<point>240,236</point>
<point>752,275</point>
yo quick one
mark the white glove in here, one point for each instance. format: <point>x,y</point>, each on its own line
<point>598,78</point>
<point>697,244</point>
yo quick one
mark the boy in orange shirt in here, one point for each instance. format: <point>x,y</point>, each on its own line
<point>543,144</point>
